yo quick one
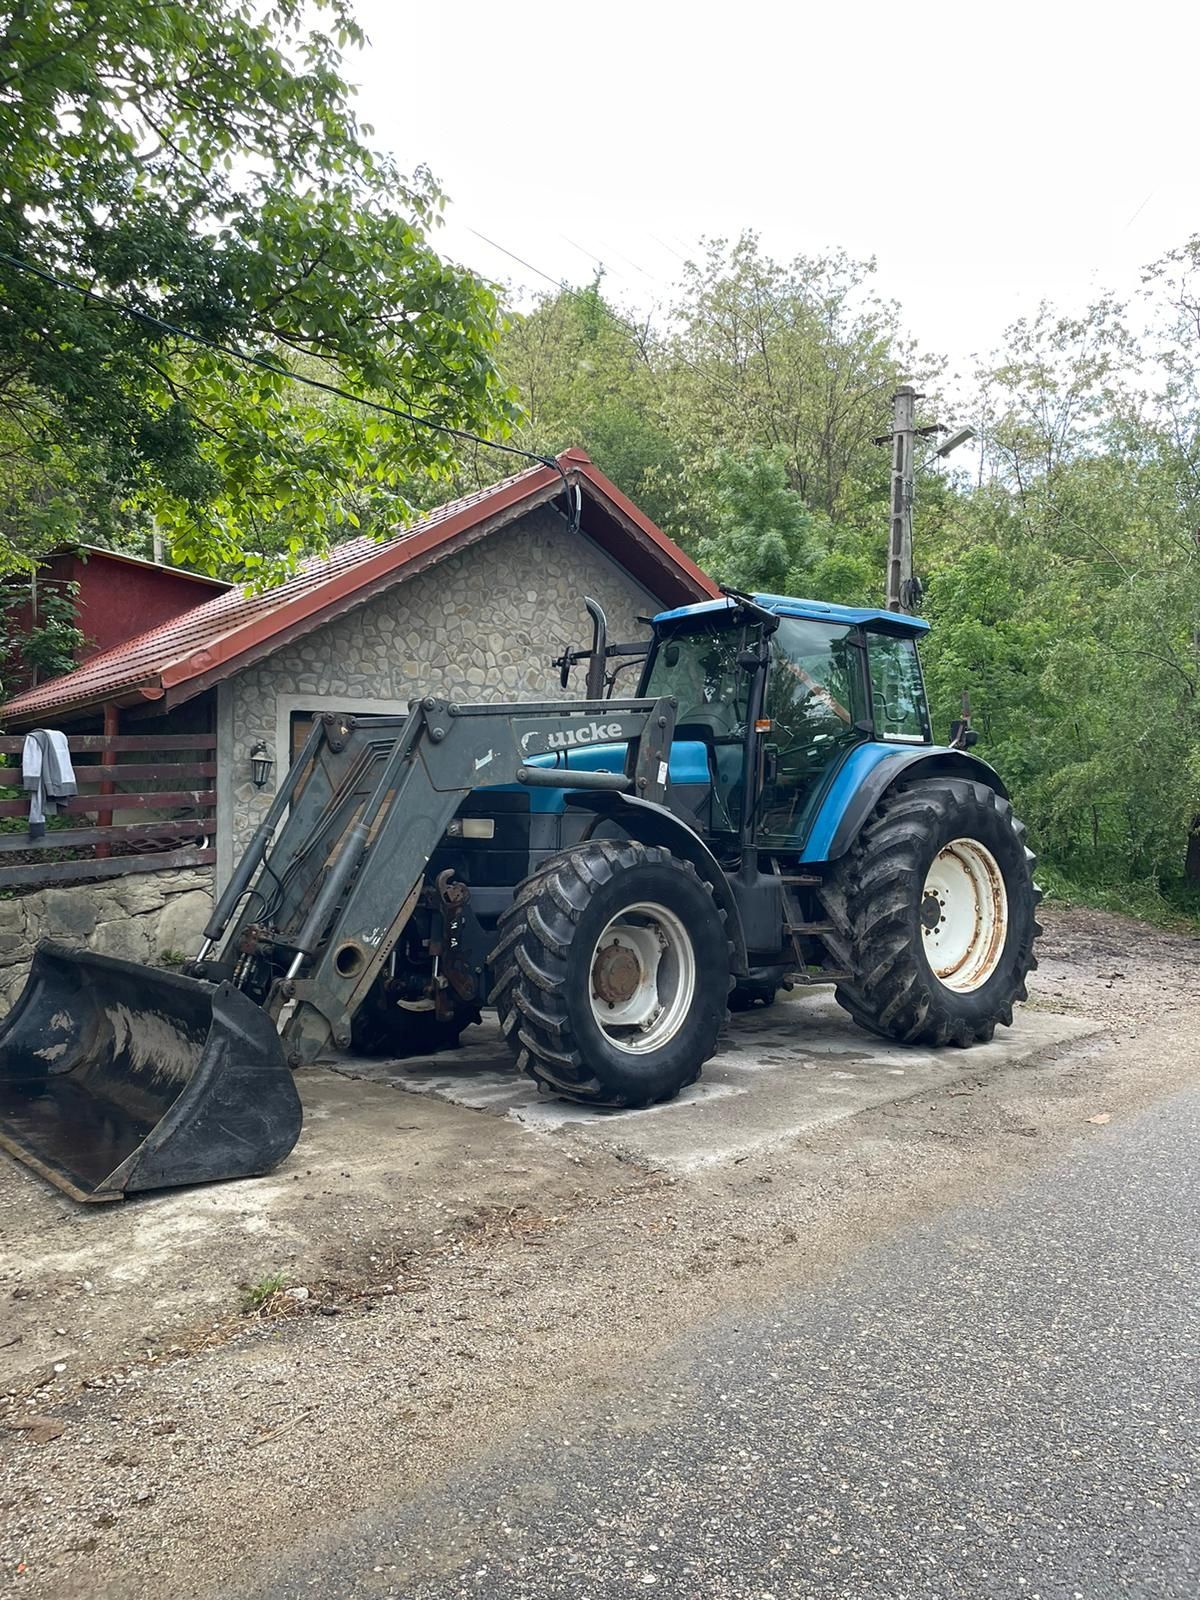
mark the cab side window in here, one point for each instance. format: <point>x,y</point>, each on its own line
<point>816,704</point>
<point>897,691</point>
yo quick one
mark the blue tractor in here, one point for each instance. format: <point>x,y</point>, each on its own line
<point>812,831</point>
<point>612,875</point>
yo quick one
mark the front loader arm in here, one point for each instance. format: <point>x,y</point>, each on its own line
<point>367,804</point>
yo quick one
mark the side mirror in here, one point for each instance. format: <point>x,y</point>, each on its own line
<point>962,737</point>
<point>564,663</point>
<point>750,660</point>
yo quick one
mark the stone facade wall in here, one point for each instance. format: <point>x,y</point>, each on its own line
<point>483,624</point>
<point>140,917</point>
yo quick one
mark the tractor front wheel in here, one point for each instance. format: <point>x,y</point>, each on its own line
<point>936,905</point>
<point>611,974</point>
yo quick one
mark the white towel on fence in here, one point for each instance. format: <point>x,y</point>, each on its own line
<point>47,774</point>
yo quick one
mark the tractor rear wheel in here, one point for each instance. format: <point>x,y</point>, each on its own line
<point>611,974</point>
<point>936,908</point>
<point>383,1027</point>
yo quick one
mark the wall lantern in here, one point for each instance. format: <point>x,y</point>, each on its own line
<point>261,762</point>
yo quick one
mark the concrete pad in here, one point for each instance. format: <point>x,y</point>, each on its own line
<point>779,1073</point>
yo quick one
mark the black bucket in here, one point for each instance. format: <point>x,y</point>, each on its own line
<point>116,1077</point>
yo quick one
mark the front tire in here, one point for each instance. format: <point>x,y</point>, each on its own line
<point>936,908</point>
<point>611,974</point>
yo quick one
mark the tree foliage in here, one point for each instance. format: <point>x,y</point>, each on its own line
<point>200,161</point>
<point>1066,590</point>
<point>40,635</point>
<point>588,376</point>
<point>800,358</point>
<point>762,535</point>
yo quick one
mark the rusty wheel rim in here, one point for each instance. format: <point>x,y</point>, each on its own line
<point>642,978</point>
<point>964,915</point>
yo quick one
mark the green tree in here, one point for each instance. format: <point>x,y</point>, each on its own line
<point>589,376</point>
<point>40,635</point>
<point>199,161</point>
<point>1066,590</point>
<point>761,534</point>
<point>799,358</point>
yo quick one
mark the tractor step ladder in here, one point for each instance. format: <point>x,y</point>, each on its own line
<point>797,928</point>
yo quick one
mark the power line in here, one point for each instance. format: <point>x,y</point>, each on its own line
<point>561,284</point>
<point>590,255</point>
<point>669,247</point>
<point>250,360</point>
<point>556,283</point>
<point>638,334</point>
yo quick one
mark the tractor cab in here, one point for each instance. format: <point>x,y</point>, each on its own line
<point>775,696</point>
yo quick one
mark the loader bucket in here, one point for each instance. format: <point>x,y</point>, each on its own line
<point>116,1077</point>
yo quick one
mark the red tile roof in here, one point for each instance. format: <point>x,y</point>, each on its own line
<point>180,658</point>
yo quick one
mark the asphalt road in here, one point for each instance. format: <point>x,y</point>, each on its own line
<point>1002,1402</point>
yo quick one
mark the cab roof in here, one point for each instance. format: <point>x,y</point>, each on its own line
<point>810,610</point>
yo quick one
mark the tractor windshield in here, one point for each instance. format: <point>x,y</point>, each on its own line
<point>700,668</point>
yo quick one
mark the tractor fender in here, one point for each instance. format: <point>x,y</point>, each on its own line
<point>861,784</point>
<point>650,823</point>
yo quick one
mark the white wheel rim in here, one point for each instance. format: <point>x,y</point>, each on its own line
<point>642,978</point>
<point>964,915</point>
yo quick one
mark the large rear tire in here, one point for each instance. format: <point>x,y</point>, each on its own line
<point>382,1027</point>
<point>611,974</point>
<point>935,906</point>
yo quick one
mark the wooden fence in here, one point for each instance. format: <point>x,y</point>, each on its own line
<point>167,785</point>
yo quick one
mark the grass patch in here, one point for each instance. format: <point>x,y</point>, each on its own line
<point>1174,906</point>
<point>257,1297</point>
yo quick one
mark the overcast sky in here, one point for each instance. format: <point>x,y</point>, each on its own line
<point>987,156</point>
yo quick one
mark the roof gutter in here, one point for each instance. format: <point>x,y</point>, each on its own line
<point>129,697</point>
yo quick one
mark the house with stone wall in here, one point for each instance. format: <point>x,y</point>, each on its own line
<point>473,602</point>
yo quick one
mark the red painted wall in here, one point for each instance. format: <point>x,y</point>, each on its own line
<point>119,599</point>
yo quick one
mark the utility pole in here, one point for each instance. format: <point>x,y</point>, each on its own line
<point>903,590</point>
<point>900,596</point>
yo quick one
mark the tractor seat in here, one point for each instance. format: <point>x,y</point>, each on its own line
<point>707,723</point>
<point>724,749</point>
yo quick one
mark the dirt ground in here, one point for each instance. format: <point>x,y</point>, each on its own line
<point>459,1275</point>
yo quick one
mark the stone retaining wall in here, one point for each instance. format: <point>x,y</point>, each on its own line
<point>140,917</point>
